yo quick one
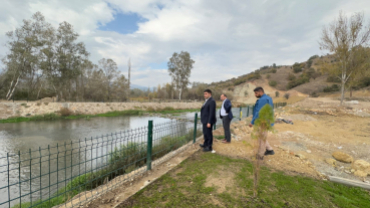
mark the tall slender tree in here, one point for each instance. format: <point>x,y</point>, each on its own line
<point>179,67</point>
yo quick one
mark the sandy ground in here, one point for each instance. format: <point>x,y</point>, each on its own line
<point>320,128</point>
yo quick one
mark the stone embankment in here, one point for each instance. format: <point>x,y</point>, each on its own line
<point>23,109</point>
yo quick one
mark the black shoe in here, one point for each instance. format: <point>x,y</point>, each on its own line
<point>201,145</point>
<point>269,152</point>
<point>207,149</point>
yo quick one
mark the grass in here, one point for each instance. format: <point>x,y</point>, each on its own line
<point>53,116</point>
<point>219,137</point>
<point>189,186</point>
<point>121,161</point>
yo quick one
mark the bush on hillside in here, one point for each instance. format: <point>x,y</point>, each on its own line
<point>291,77</point>
<point>334,79</point>
<point>272,83</point>
<point>277,94</point>
<point>296,82</point>
<point>287,95</point>
<point>333,88</point>
<point>310,60</point>
<point>298,67</point>
<point>268,76</point>
<point>273,71</point>
<point>314,94</point>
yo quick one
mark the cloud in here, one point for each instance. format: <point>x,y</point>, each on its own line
<point>225,38</point>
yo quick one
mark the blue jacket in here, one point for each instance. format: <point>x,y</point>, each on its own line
<point>265,99</point>
<point>228,106</point>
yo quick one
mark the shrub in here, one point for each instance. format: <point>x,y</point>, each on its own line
<point>291,77</point>
<point>296,82</point>
<point>297,67</point>
<point>268,76</point>
<point>314,94</point>
<point>334,79</point>
<point>272,83</point>
<point>287,95</point>
<point>273,71</point>
<point>65,112</point>
<point>333,88</point>
<point>277,94</point>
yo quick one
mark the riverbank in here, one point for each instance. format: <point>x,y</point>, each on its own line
<point>35,111</point>
<point>60,116</point>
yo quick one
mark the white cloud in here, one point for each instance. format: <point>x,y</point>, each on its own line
<point>225,38</point>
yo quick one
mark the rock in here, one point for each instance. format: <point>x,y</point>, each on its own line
<point>343,157</point>
<point>302,157</point>
<point>361,165</point>
<point>360,173</point>
<point>353,170</point>
<point>331,162</point>
<point>308,151</point>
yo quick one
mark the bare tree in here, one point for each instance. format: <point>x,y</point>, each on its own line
<point>345,37</point>
<point>179,67</point>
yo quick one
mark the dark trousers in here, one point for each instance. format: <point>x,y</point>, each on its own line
<point>226,123</point>
<point>208,136</point>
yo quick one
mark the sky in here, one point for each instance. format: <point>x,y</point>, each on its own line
<point>225,38</point>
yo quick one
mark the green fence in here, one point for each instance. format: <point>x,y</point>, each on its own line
<point>53,175</point>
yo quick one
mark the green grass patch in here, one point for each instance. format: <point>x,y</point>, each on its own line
<point>219,137</point>
<point>188,186</point>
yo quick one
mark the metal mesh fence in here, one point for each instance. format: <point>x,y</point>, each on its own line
<point>66,173</point>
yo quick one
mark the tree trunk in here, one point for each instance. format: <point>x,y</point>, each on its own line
<point>38,93</point>
<point>180,92</point>
<point>342,93</point>
<point>12,90</point>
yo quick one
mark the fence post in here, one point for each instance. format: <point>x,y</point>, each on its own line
<point>150,145</point>
<point>248,111</point>
<point>240,113</point>
<point>195,127</point>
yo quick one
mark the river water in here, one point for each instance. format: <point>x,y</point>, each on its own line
<point>25,136</point>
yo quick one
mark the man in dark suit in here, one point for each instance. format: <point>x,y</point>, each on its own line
<point>208,119</point>
<point>226,116</point>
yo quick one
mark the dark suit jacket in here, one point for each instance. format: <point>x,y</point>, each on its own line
<point>227,106</point>
<point>208,112</point>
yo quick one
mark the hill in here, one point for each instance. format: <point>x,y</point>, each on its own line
<point>300,79</point>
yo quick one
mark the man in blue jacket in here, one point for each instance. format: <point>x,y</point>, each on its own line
<point>226,116</point>
<point>263,99</point>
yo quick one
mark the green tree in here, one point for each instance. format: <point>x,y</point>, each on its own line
<point>110,69</point>
<point>261,127</point>
<point>179,67</point>
<point>345,38</point>
<point>26,46</point>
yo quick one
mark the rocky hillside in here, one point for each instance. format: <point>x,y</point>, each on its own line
<point>301,79</point>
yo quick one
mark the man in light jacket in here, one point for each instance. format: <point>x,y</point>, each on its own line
<point>226,116</point>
